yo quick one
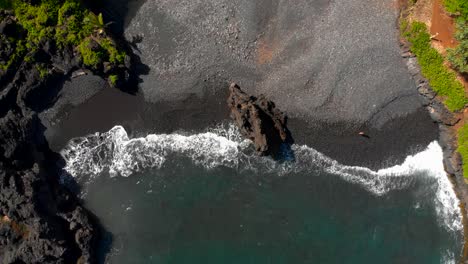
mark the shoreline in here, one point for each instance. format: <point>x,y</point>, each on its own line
<point>447,137</point>
<point>388,145</point>
<point>167,117</point>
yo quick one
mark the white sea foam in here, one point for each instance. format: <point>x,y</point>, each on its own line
<point>448,257</point>
<point>119,155</point>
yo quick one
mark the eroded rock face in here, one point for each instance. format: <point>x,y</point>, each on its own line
<point>260,121</point>
<point>41,221</point>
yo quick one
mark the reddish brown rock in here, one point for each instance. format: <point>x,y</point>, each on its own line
<point>259,120</point>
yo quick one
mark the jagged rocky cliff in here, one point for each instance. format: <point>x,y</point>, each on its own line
<point>41,221</point>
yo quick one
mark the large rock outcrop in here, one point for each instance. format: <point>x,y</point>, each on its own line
<point>260,121</point>
<point>41,221</point>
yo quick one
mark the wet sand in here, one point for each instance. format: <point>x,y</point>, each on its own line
<point>332,78</point>
<point>312,58</point>
<point>386,146</point>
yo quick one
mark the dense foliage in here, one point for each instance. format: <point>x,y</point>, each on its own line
<point>113,78</point>
<point>5,4</point>
<point>463,148</point>
<point>68,24</point>
<point>458,56</point>
<point>442,80</point>
<point>458,8</point>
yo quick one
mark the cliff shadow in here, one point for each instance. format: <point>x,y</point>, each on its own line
<point>104,239</point>
<point>66,195</point>
<point>116,14</point>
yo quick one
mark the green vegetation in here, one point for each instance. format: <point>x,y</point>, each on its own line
<point>463,147</point>
<point>458,56</point>
<point>113,79</point>
<point>91,57</point>
<point>43,70</point>
<point>71,28</point>
<point>69,24</point>
<point>412,2</point>
<point>458,8</point>
<point>442,80</point>
<point>19,52</point>
<point>5,4</point>
<point>115,56</point>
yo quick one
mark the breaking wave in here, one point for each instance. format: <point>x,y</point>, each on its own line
<point>117,154</point>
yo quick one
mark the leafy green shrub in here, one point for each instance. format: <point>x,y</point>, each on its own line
<point>458,8</point>
<point>42,69</point>
<point>442,80</point>
<point>115,56</point>
<point>463,147</point>
<point>67,23</point>
<point>18,54</point>
<point>38,21</point>
<point>96,22</point>
<point>458,56</point>
<point>70,27</point>
<point>91,58</point>
<point>113,79</point>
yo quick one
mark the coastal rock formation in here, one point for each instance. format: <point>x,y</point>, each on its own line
<point>446,121</point>
<point>259,120</point>
<point>41,221</point>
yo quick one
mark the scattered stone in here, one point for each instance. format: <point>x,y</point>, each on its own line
<point>78,73</point>
<point>363,134</point>
<point>440,114</point>
<point>424,90</point>
<point>407,54</point>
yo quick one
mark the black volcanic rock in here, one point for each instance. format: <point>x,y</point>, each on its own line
<point>259,120</point>
<point>41,221</point>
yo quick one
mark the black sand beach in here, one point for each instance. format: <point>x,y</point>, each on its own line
<point>332,78</point>
<point>383,147</point>
<point>335,68</point>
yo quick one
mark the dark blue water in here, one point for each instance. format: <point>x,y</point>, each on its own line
<point>250,210</point>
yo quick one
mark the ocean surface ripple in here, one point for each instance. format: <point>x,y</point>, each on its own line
<point>113,152</point>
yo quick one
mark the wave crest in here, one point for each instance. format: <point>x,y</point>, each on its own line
<point>114,152</point>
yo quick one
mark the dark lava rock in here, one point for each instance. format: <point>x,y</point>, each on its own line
<point>260,121</point>
<point>8,26</point>
<point>441,114</point>
<point>41,221</point>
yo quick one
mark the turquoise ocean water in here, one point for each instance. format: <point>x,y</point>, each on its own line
<point>207,198</point>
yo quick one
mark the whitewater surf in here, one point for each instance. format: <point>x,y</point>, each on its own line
<point>119,174</point>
